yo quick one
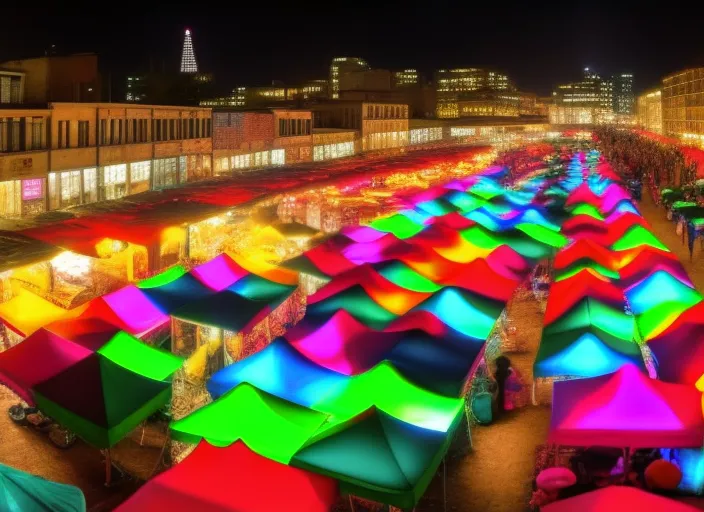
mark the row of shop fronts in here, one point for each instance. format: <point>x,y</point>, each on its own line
<point>63,189</point>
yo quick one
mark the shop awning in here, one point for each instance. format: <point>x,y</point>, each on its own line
<point>26,312</point>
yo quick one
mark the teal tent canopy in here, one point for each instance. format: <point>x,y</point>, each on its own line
<point>23,492</point>
<point>378,457</point>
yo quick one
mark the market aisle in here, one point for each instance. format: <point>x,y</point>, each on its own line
<point>497,475</point>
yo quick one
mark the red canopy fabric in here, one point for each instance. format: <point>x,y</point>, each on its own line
<point>584,249</point>
<point>568,292</point>
<point>618,498</point>
<point>233,479</point>
<point>626,409</point>
<point>38,358</point>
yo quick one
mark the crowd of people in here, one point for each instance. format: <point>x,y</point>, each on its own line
<point>641,158</point>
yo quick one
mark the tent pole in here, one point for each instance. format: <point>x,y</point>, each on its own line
<point>108,468</point>
<point>444,484</point>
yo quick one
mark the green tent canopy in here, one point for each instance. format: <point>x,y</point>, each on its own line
<point>163,278</point>
<point>401,226</point>
<point>138,357</point>
<point>404,276</point>
<point>385,389</point>
<point>636,237</point>
<point>268,425</point>
<point>590,312</point>
<point>587,209</point>
<point>23,492</point>
<point>583,264</point>
<point>100,400</point>
<point>378,457</point>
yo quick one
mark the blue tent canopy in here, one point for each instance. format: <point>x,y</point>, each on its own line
<point>23,492</point>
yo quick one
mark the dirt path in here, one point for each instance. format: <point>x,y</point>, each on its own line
<point>496,476</point>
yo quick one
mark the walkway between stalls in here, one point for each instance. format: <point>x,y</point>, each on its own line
<point>497,475</point>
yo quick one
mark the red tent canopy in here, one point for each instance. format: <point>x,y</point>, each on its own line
<point>584,249</point>
<point>233,479</point>
<point>618,498</point>
<point>626,409</point>
<point>566,293</point>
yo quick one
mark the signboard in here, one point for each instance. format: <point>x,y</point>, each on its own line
<point>32,189</point>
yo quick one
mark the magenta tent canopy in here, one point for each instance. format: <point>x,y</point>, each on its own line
<point>618,498</point>
<point>626,409</point>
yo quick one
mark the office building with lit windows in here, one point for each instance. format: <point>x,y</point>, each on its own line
<point>454,84</point>
<point>624,100</point>
<point>341,65</point>
<point>683,105</point>
<point>649,111</point>
<point>407,77</point>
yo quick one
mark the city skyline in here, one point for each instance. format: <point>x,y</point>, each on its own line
<point>536,46</point>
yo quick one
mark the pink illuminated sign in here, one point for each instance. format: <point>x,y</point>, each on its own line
<point>32,189</point>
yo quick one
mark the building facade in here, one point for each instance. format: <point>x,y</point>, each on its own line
<point>71,78</point>
<point>624,101</point>
<point>340,66</point>
<point>683,105</point>
<point>455,85</point>
<point>75,153</point>
<point>251,139</point>
<point>407,77</point>
<point>380,125</point>
<point>650,111</point>
<point>332,143</point>
<point>11,87</point>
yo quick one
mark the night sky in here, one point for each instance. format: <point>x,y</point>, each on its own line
<point>253,43</point>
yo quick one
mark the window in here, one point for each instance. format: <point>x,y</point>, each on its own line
<point>82,134</point>
<point>308,131</point>
<point>90,185</point>
<point>139,171</point>
<point>114,181</point>
<point>37,133</point>
<point>282,127</point>
<point>157,124</point>
<point>103,131</point>
<point>278,157</point>
<point>370,112</point>
<point>191,128</point>
<point>208,127</point>
<point>299,129</point>
<point>172,129</point>
<point>113,129</point>
<point>63,139</point>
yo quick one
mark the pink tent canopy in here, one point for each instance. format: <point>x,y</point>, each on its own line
<point>626,409</point>
<point>617,498</point>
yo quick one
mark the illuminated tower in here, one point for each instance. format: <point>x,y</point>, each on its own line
<point>188,57</point>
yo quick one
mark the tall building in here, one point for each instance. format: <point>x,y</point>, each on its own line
<point>588,101</point>
<point>453,84</point>
<point>683,105</point>
<point>405,78</point>
<point>340,66</point>
<point>188,56</point>
<point>650,111</point>
<point>623,97</point>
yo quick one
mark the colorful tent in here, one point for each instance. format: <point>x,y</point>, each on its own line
<point>23,492</point>
<point>270,426</point>
<point>100,400</point>
<point>27,312</point>
<point>626,409</point>
<point>378,457</point>
<point>584,352</point>
<point>618,498</point>
<point>233,479</point>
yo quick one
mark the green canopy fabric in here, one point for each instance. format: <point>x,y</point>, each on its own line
<point>138,357</point>
<point>635,237</point>
<point>590,312</point>
<point>378,457</point>
<point>401,226</point>
<point>583,264</point>
<point>23,492</point>
<point>100,400</point>
<point>268,425</point>
<point>587,209</point>
<point>384,388</point>
<point>163,278</point>
<point>402,275</point>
